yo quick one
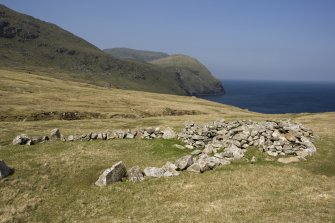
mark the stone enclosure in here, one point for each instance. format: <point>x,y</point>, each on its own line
<point>210,145</point>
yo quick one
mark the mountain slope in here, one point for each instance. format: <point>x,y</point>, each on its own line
<point>135,55</point>
<point>31,44</point>
<point>193,76</point>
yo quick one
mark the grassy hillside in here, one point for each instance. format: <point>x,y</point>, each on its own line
<point>194,77</point>
<point>27,43</point>
<point>56,178</point>
<point>136,55</point>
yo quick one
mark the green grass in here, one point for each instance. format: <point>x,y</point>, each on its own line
<point>54,182</point>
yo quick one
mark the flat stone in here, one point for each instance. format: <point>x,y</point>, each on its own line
<point>153,172</point>
<point>287,160</point>
<point>178,146</point>
<point>113,174</point>
<point>196,152</point>
<point>135,174</point>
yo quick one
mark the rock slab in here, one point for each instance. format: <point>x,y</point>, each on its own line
<point>113,174</point>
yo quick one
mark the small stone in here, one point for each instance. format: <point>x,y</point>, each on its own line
<point>253,159</point>
<point>135,174</point>
<point>178,146</point>
<point>189,147</point>
<point>196,152</point>
<point>113,174</point>
<point>271,153</point>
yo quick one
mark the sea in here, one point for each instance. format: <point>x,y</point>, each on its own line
<point>278,97</point>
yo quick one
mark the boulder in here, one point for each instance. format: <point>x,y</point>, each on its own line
<point>5,170</point>
<point>135,174</point>
<point>168,133</point>
<point>153,172</point>
<point>184,162</point>
<point>55,134</point>
<point>113,174</point>
<point>20,139</point>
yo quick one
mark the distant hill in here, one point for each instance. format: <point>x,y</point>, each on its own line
<point>136,55</point>
<point>193,76</point>
<point>30,44</point>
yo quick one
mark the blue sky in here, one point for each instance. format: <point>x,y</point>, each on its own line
<point>235,39</point>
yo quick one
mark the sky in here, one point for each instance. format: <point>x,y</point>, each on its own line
<point>235,39</point>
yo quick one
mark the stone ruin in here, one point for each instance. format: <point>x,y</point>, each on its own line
<point>210,145</point>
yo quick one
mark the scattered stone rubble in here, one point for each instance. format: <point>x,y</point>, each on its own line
<point>211,145</point>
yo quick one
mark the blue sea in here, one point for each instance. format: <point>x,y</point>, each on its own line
<point>278,97</point>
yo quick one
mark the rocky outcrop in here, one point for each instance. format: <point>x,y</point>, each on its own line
<point>113,174</point>
<point>5,170</point>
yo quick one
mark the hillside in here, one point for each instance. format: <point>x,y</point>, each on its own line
<point>27,43</point>
<point>193,75</point>
<point>58,177</point>
<point>135,55</point>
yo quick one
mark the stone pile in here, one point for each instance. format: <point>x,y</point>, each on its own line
<point>273,137</point>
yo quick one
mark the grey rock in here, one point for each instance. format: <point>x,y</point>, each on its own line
<point>178,146</point>
<point>195,167</point>
<point>20,139</point>
<point>196,152</point>
<point>271,153</point>
<point>184,162</point>
<point>113,174</point>
<point>153,172</point>
<point>189,147</point>
<point>253,159</point>
<point>233,152</point>
<point>135,174</point>
<point>168,133</point>
<point>55,134</point>
<point>70,138</point>
<point>94,135</point>
<point>5,170</point>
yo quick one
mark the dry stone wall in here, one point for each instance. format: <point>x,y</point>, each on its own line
<point>211,145</point>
